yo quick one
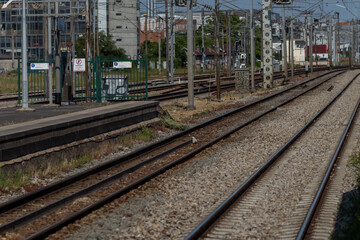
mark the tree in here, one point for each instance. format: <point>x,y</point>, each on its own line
<point>107,47</point>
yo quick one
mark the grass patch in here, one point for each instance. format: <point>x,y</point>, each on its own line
<point>46,169</point>
<point>168,122</point>
<point>15,181</point>
<point>145,134</point>
<point>8,83</point>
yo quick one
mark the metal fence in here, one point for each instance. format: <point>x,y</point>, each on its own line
<point>37,81</point>
<point>105,79</point>
<point>123,79</point>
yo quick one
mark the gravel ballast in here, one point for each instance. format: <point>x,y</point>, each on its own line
<point>181,197</point>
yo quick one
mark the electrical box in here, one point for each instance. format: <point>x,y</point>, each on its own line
<point>282,2</point>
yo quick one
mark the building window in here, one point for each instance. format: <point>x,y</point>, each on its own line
<point>119,39</point>
<point>118,26</point>
<point>118,14</point>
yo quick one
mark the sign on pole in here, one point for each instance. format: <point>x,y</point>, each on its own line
<point>79,64</point>
<point>39,66</point>
<point>122,65</point>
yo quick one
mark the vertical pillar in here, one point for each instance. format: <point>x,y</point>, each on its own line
<point>284,53</point>
<point>25,92</point>
<point>267,44</point>
<point>167,39</point>
<point>190,58</point>
<point>159,43</point>
<point>292,46</point>
<point>252,46</point>
<point>172,36</point>
<point>311,44</point>
<point>217,50</point>
<point>203,38</point>
<point>330,49</point>
<point>228,39</point>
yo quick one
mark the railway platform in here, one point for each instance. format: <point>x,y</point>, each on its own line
<point>23,133</point>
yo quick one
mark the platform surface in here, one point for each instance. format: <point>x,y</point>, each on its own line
<point>45,117</point>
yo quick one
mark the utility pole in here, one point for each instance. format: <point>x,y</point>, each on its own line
<point>159,43</point>
<point>146,35</point>
<point>228,40</point>
<point>330,49</point>
<point>57,57</point>
<point>337,38</point>
<point>267,44</point>
<point>222,48</point>
<point>306,38</point>
<point>167,40</point>
<point>190,52</point>
<point>88,50</point>
<point>94,27</point>
<point>284,54</point>
<point>97,30</point>
<point>50,80</point>
<point>203,38</point>
<point>172,35</point>
<point>12,48</point>
<point>217,49</point>
<point>25,90</point>
<point>311,44</point>
<point>292,46</point>
<point>252,46</point>
<point>73,40</point>
<point>353,46</point>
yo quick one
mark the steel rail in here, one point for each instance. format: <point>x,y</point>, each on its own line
<point>306,223</point>
<point>60,202</point>
<point>211,218</point>
<point>16,202</point>
<point>200,78</point>
<point>83,212</point>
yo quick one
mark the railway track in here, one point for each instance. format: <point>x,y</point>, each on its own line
<point>161,91</point>
<point>247,202</point>
<point>32,215</point>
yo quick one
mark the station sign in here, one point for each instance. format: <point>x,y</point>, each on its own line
<point>39,66</point>
<point>79,64</point>
<point>122,64</point>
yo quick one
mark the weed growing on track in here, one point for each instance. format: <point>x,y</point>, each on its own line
<point>168,122</point>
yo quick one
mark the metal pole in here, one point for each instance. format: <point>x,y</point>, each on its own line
<point>159,43</point>
<point>12,48</point>
<point>311,44</point>
<point>337,37</point>
<point>25,93</point>
<point>57,57</point>
<point>330,50</point>
<point>228,39</point>
<point>267,44</point>
<point>203,38</point>
<point>252,47</point>
<point>292,47</point>
<point>146,34</point>
<point>50,57</point>
<point>167,40</point>
<point>217,51</point>
<point>190,52</point>
<point>172,35</point>
<point>284,55</point>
